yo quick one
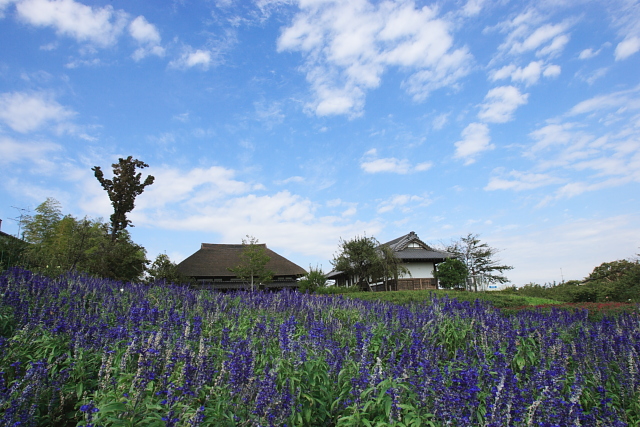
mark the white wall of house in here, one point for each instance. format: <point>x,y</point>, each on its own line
<point>419,270</point>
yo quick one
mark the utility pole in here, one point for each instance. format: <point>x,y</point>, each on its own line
<point>20,219</point>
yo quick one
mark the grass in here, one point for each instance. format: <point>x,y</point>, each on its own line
<point>498,300</point>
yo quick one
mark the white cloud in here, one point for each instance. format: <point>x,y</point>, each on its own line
<point>602,148</point>
<point>500,104</point>
<point>347,46</point>
<point>520,181</point>
<point>627,47</point>
<point>528,75</point>
<point>556,46</point>
<point>555,135</point>
<point>269,114</point>
<point>193,58</point>
<point>472,7</point>
<point>143,31</point>
<point>420,167</point>
<point>36,153</point>
<point>289,180</point>
<point>548,38</point>
<point>621,99</point>
<point>214,200</point>
<point>552,71</point>
<point>147,36</point>
<point>440,121</point>
<point>475,140</point>
<point>193,188</point>
<point>588,53</point>
<point>594,75</point>
<point>370,164</point>
<point>400,201</point>
<point>386,165</point>
<point>26,112</point>
<point>100,26</point>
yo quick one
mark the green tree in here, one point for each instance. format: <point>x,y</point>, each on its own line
<point>451,273</point>
<point>614,281</point>
<point>359,258</point>
<point>123,189</point>
<point>63,243</point>
<point>122,259</point>
<point>40,227</point>
<point>479,258</point>
<point>253,263</point>
<point>12,252</point>
<point>390,266</point>
<point>163,268</point>
<point>314,280</point>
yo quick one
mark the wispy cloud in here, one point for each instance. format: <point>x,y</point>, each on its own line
<point>528,75</point>
<point>371,164</point>
<point>527,32</point>
<point>32,152</point>
<point>520,181</point>
<point>402,202</point>
<point>582,141</point>
<point>29,111</point>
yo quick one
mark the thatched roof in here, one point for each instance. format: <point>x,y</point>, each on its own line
<point>214,260</point>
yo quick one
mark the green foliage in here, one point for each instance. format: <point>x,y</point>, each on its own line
<point>339,290</point>
<point>80,351</point>
<point>359,259</point>
<point>123,190</point>
<point>64,243</point>
<point>163,269</point>
<point>610,281</point>
<point>596,311</point>
<point>616,281</point>
<point>40,227</point>
<point>121,260</point>
<point>390,266</point>
<point>12,252</point>
<point>314,280</point>
<point>479,258</point>
<point>496,299</point>
<point>367,262</point>
<point>451,273</point>
<point>253,265</point>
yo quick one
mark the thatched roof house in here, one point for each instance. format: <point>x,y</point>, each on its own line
<point>210,267</point>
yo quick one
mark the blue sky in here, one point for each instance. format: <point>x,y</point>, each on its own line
<point>303,122</point>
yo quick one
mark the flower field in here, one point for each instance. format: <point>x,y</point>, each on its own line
<point>77,350</point>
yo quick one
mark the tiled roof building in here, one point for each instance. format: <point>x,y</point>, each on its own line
<point>415,255</point>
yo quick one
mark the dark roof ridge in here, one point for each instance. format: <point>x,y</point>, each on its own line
<point>402,242</point>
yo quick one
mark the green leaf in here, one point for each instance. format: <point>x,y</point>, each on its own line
<point>113,407</point>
